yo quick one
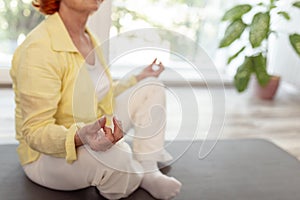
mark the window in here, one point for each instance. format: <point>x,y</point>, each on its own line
<point>17,18</point>
<point>184,16</point>
<point>197,20</point>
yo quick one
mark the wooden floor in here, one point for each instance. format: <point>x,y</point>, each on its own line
<point>237,116</point>
<point>277,121</point>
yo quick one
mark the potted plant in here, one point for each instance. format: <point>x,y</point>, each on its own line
<point>259,31</point>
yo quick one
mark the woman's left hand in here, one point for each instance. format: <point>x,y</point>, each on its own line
<point>149,71</point>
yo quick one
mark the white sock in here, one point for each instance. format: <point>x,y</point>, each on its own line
<point>157,184</point>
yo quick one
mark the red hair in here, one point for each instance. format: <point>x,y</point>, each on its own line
<point>47,7</point>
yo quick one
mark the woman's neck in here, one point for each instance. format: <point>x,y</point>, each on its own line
<point>75,22</point>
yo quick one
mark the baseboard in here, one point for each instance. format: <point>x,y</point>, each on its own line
<point>291,88</point>
<point>5,77</point>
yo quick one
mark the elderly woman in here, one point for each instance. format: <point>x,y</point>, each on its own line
<point>63,91</point>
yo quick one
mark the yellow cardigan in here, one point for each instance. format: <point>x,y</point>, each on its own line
<point>54,93</point>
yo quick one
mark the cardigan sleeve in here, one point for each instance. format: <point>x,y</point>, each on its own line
<point>39,78</point>
<point>122,85</point>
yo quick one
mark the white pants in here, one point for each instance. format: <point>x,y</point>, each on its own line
<point>117,172</point>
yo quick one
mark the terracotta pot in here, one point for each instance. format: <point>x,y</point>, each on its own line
<point>269,91</point>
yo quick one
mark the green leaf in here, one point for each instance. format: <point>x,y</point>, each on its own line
<point>295,42</point>
<point>260,69</point>
<point>297,4</point>
<point>243,74</point>
<point>235,55</point>
<point>259,28</point>
<point>273,1</point>
<point>233,32</point>
<point>236,12</point>
<point>285,15</point>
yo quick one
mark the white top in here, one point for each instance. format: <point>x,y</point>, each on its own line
<point>99,78</point>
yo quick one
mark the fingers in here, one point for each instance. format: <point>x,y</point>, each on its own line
<point>100,137</point>
<point>97,125</point>
<point>154,61</point>
<point>102,122</point>
<point>108,134</point>
<point>112,136</point>
<point>118,130</point>
<point>149,67</point>
<point>161,66</point>
<point>160,69</point>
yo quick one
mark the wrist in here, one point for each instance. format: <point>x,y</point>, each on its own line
<point>139,77</point>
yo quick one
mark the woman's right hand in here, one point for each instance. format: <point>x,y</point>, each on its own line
<point>98,136</point>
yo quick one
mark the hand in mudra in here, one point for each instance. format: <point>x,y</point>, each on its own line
<point>100,137</point>
<point>149,71</point>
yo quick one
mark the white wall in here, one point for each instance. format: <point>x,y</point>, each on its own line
<point>100,23</point>
<point>283,60</point>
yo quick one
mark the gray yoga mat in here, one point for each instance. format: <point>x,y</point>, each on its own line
<point>234,170</point>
